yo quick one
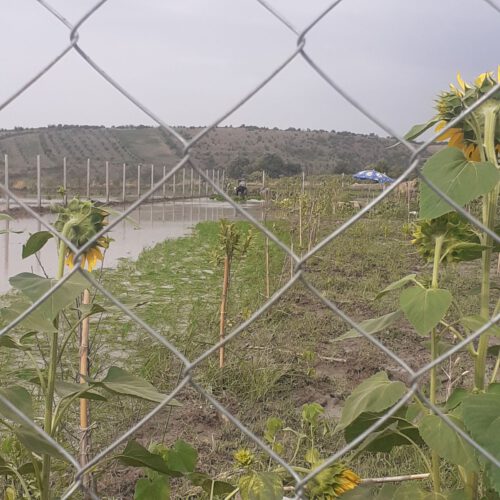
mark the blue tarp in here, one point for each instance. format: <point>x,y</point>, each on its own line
<point>372,175</point>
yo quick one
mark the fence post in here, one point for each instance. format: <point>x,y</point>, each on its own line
<point>223,179</point>
<point>38,182</point>
<point>65,182</point>
<point>218,178</point>
<point>213,177</point>
<point>164,187</point>
<point>152,180</point>
<point>138,180</point>
<point>263,179</point>
<point>107,182</point>
<point>124,179</point>
<point>192,181</point>
<point>6,172</point>
<point>183,181</point>
<point>173,185</point>
<point>88,178</point>
<point>199,184</point>
<point>206,182</point>
<point>303,181</point>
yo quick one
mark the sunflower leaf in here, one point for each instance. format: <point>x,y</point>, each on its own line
<point>425,308</point>
<point>460,179</point>
<point>371,326</point>
<point>375,394</point>
<point>481,414</point>
<point>35,242</point>
<point>118,381</point>
<point>419,129</point>
<point>34,286</point>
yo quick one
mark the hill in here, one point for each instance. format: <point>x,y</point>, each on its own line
<point>315,151</point>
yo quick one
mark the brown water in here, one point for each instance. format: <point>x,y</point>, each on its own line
<point>155,222</point>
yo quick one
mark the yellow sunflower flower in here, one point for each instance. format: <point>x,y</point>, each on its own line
<point>91,256</point>
<point>89,220</point>
<point>332,482</point>
<point>455,136</point>
<point>451,104</point>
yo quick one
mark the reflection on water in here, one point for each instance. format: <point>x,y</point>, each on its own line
<point>156,222</point>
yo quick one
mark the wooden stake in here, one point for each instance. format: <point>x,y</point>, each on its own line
<point>7,199</point>
<point>223,304</point>
<point>395,479</point>
<point>408,198</point>
<point>88,177</point>
<point>107,181</point>
<point>124,181</point>
<point>65,182</point>
<point>84,408</point>
<point>268,284</point>
<point>300,225</point>
<point>152,180</point>
<point>266,245</point>
<point>138,181</point>
<point>38,182</point>
<point>164,187</point>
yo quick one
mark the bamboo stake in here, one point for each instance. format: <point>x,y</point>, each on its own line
<point>268,284</point>
<point>408,198</point>
<point>395,479</point>
<point>38,182</point>
<point>223,304</point>
<point>88,177</point>
<point>7,199</point>
<point>300,225</point>
<point>266,244</point>
<point>84,408</point>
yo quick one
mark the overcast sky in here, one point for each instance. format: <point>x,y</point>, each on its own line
<point>191,60</point>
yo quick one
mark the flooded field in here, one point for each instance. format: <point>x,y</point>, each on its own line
<point>152,223</point>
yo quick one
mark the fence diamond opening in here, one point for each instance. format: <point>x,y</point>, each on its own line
<point>297,50</point>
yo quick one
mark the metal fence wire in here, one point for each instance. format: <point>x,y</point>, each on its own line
<point>298,40</point>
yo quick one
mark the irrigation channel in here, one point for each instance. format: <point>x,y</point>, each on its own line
<point>149,224</point>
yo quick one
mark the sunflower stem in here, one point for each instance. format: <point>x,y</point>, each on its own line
<point>489,213</point>
<point>438,246</point>
<point>51,371</point>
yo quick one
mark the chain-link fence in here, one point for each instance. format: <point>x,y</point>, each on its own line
<point>299,35</point>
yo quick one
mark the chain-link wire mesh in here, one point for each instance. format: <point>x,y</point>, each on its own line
<point>298,50</point>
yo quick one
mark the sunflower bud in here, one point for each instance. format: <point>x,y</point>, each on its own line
<point>244,457</point>
<point>460,243</point>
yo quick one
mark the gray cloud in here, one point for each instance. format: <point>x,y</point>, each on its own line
<point>190,60</point>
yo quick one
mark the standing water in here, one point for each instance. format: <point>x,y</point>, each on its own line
<point>151,223</point>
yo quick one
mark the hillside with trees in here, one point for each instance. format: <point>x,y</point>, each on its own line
<point>240,150</point>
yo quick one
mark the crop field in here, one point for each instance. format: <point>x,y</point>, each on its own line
<point>292,376</point>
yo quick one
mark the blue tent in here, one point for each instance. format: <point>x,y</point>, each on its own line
<point>372,175</point>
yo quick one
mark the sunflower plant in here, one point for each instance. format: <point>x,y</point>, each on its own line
<point>83,220</point>
<point>259,478</point>
<point>49,394</point>
<point>466,170</point>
